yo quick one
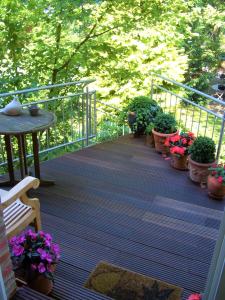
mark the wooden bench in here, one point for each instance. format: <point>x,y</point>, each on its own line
<point>19,210</point>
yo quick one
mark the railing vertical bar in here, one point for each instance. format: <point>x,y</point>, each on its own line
<point>221,137</point>
<point>87,116</point>
<point>199,121</point>
<point>215,118</point>
<point>206,123</point>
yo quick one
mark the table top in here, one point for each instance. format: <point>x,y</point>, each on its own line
<point>25,123</point>
<point>215,88</point>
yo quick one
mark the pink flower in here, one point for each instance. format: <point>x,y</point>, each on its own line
<point>167,143</point>
<point>184,141</point>
<point>41,268</point>
<point>47,243</point>
<point>13,241</point>
<point>49,258</point>
<point>220,179</point>
<point>41,233</point>
<point>191,134</point>
<point>56,250</point>
<point>21,239</point>
<point>195,297</point>
<point>17,250</point>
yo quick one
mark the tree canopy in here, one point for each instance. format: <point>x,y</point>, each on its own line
<point>118,42</point>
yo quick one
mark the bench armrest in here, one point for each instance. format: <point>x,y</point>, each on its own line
<point>19,190</point>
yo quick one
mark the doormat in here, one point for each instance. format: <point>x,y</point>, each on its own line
<point>122,284</point>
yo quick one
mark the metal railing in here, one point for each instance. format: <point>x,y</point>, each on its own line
<point>74,105</point>
<point>207,119</point>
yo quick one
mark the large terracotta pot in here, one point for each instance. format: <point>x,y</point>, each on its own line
<point>41,284</point>
<point>179,162</point>
<point>198,172</point>
<point>150,140</point>
<point>215,189</point>
<point>160,139</point>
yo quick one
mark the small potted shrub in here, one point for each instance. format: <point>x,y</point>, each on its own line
<point>140,111</point>
<point>202,156</point>
<point>165,126</point>
<point>149,135</point>
<point>216,181</point>
<point>37,256</point>
<point>179,145</point>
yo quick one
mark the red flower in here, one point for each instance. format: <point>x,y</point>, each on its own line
<point>167,142</point>
<point>184,141</point>
<point>213,173</point>
<point>195,297</point>
<point>220,179</point>
<point>190,143</point>
<point>191,134</point>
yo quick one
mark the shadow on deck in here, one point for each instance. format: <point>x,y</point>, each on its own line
<point>122,203</point>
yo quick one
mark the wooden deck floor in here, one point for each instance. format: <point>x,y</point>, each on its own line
<point>121,202</point>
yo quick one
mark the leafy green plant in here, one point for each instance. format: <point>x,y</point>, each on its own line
<point>141,111</point>
<point>203,150</point>
<point>149,128</point>
<point>165,123</point>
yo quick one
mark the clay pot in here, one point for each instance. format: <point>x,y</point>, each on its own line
<point>215,189</point>
<point>179,162</point>
<point>160,139</point>
<point>41,284</point>
<point>149,141</point>
<point>198,172</point>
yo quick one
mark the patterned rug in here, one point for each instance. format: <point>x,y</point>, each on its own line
<point>122,284</point>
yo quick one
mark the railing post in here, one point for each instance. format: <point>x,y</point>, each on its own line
<point>87,116</point>
<point>95,115</point>
<point>220,138</point>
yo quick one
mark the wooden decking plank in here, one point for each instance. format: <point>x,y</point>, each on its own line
<point>122,244</point>
<point>132,228</point>
<point>73,247</point>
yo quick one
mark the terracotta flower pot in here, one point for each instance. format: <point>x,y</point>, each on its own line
<point>179,162</point>
<point>41,284</point>
<point>198,172</point>
<point>159,139</point>
<point>150,140</point>
<point>215,189</point>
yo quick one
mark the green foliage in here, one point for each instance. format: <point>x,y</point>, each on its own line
<point>165,123</point>
<point>203,150</point>
<point>144,111</point>
<point>154,292</point>
<point>149,128</point>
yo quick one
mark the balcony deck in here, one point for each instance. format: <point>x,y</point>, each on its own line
<point>121,202</point>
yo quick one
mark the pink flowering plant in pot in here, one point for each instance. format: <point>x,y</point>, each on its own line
<point>179,145</point>
<point>37,255</point>
<point>216,181</point>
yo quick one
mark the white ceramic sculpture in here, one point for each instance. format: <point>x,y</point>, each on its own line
<point>14,108</point>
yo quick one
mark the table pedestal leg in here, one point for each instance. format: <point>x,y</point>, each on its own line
<point>8,147</point>
<point>22,155</point>
<point>37,162</point>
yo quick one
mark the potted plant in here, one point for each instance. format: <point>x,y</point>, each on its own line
<point>149,135</point>
<point>216,181</point>
<point>178,145</point>
<point>164,127</point>
<point>202,156</point>
<point>140,111</point>
<point>37,256</point>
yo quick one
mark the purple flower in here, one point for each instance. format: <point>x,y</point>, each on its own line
<point>31,234</point>
<point>56,250</point>
<point>13,241</point>
<point>33,267</point>
<point>42,253</point>
<point>47,243</point>
<point>17,250</point>
<point>21,239</point>
<point>48,237</point>
<point>41,233</point>
<point>41,268</point>
<point>48,258</point>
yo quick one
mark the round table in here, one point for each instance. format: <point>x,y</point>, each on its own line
<point>19,126</point>
<point>219,93</point>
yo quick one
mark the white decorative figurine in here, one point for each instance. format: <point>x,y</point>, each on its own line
<point>14,108</point>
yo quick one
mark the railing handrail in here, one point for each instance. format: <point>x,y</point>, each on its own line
<point>48,87</point>
<point>189,88</point>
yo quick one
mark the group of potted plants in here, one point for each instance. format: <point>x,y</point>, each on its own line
<point>36,256</point>
<point>187,152</point>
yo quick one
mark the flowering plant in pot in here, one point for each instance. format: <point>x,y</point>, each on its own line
<point>140,111</point>
<point>216,181</point>
<point>37,255</point>
<point>178,145</point>
<point>202,156</point>
<point>164,127</point>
